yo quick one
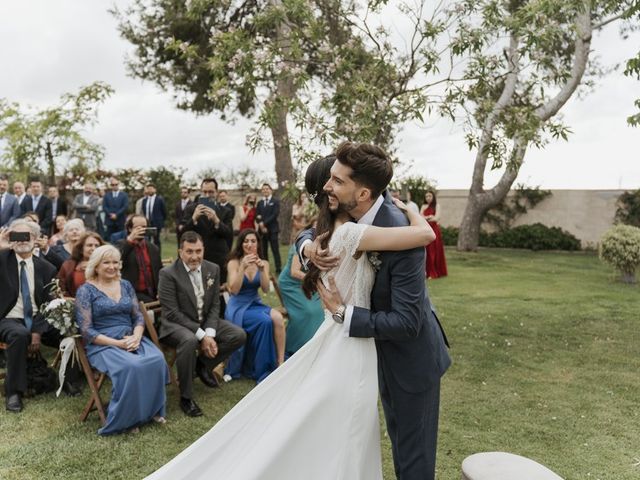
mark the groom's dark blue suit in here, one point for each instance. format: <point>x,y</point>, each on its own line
<point>412,351</point>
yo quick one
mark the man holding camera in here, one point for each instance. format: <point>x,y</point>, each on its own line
<point>141,261</point>
<point>207,218</point>
<point>25,281</point>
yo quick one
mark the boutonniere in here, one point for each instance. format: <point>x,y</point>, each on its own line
<point>210,281</point>
<point>374,260</point>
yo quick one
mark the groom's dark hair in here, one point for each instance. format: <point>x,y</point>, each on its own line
<point>372,167</point>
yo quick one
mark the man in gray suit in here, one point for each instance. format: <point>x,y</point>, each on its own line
<point>9,206</point>
<point>189,292</point>
<point>85,206</point>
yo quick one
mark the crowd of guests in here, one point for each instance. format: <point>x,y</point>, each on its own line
<point>109,260</point>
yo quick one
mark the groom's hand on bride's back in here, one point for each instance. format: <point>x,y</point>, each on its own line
<point>320,257</point>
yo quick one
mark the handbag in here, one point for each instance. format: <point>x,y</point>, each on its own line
<point>40,377</point>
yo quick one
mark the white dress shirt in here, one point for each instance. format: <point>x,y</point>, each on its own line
<point>18,310</point>
<point>198,289</point>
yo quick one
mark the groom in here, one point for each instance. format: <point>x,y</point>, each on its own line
<point>410,342</point>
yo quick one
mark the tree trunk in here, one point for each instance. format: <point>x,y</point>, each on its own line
<point>51,167</point>
<point>469,235</point>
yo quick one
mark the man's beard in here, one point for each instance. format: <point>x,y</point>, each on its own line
<point>23,248</point>
<point>346,207</point>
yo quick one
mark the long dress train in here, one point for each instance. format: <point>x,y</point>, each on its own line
<point>315,417</point>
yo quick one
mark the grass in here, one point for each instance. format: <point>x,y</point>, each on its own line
<point>546,360</point>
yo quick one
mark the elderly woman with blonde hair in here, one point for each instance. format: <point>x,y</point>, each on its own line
<point>112,326</point>
<point>71,233</point>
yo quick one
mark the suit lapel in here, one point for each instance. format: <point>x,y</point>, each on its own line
<point>185,280</point>
<point>38,286</point>
<point>13,273</point>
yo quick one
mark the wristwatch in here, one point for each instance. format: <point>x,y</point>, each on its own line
<point>338,315</point>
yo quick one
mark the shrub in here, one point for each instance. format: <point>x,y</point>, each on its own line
<point>620,247</point>
<point>532,237</point>
<point>628,211</point>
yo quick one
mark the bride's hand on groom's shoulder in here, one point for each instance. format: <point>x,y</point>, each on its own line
<point>321,257</point>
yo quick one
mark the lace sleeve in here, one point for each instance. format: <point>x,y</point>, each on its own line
<point>84,314</point>
<point>347,237</point>
<point>136,315</point>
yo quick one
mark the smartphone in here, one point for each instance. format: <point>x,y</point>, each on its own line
<point>19,236</point>
<point>206,201</point>
<point>150,232</point>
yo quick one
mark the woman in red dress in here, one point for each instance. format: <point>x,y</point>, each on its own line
<point>248,213</point>
<point>436,263</point>
<point>71,274</point>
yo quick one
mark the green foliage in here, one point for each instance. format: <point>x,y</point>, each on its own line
<point>628,208</point>
<point>632,69</point>
<point>38,141</point>
<point>532,237</point>
<point>620,248</point>
<point>416,185</point>
<point>505,213</point>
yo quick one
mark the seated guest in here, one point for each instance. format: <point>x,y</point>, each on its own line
<point>41,248</point>
<point>189,292</point>
<point>58,226</point>
<point>141,262</point>
<point>112,326</point>
<point>72,271</point>
<point>264,326</point>
<point>305,315</point>
<point>71,234</point>
<point>24,282</point>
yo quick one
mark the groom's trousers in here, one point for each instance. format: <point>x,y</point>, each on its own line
<point>412,424</point>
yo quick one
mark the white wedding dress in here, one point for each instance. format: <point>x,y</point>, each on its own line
<point>316,416</point>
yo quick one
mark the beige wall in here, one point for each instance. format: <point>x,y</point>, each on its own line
<point>587,214</point>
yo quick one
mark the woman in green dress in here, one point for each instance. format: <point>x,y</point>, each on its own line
<point>305,315</point>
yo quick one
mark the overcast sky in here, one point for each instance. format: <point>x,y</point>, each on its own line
<point>50,47</point>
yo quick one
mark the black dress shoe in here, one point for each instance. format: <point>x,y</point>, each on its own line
<point>14,403</point>
<point>206,376</point>
<point>190,408</point>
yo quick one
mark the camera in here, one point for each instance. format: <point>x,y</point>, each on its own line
<point>150,231</point>
<point>19,236</point>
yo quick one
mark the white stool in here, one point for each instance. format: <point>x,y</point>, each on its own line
<point>504,466</point>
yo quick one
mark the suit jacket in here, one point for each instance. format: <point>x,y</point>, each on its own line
<point>232,214</point>
<point>410,341</point>
<point>158,213</point>
<point>179,214</point>
<point>61,207</point>
<point>269,214</point>
<point>87,213</point>
<point>43,210</point>
<point>10,209</point>
<point>43,273</point>
<point>178,299</point>
<point>118,206</point>
<point>216,248</point>
<point>131,269</point>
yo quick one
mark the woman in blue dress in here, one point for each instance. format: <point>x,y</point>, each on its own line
<point>110,321</point>
<point>305,315</point>
<point>246,273</point>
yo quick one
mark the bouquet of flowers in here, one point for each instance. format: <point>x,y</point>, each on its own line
<point>60,312</point>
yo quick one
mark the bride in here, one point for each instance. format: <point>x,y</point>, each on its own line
<point>316,416</point>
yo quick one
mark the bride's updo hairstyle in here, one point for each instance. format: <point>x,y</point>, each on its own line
<point>317,174</point>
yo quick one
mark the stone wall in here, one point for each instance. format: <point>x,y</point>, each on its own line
<point>587,214</point>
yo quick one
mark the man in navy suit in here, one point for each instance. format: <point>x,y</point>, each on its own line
<point>9,206</point>
<point>181,207</point>
<point>37,202</point>
<point>267,212</point>
<point>114,204</point>
<point>411,346</point>
<point>154,209</point>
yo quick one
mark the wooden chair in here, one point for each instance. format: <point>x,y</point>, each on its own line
<point>3,346</point>
<point>168,352</point>
<point>167,261</point>
<point>95,380</point>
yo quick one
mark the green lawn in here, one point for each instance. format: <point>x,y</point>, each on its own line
<point>546,359</point>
